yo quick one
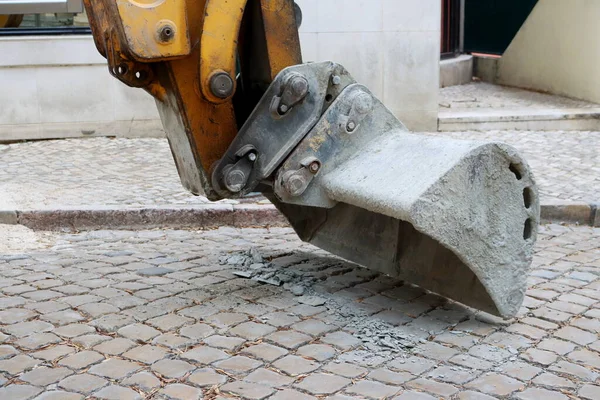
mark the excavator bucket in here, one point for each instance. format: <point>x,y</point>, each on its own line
<point>243,114</point>
<point>455,217</point>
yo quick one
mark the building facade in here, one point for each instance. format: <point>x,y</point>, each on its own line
<point>59,86</point>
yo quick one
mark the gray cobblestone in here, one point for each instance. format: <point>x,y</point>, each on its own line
<point>233,337</point>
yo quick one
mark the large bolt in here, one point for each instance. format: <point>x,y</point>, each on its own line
<point>299,86</point>
<point>351,126</point>
<point>166,33</point>
<point>295,185</point>
<point>336,80</point>
<point>221,85</point>
<point>235,180</point>
<point>314,167</point>
<point>363,103</point>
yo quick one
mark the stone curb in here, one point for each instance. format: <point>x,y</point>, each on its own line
<point>217,215</point>
<point>197,217</point>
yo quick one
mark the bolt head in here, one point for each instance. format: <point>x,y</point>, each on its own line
<point>283,108</point>
<point>252,157</point>
<point>299,86</point>
<point>166,33</point>
<point>295,185</point>
<point>221,85</point>
<point>351,126</point>
<point>314,167</point>
<point>336,79</point>
<point>235,180</point>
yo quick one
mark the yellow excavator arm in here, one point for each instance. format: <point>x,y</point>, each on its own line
<point>243,114</point>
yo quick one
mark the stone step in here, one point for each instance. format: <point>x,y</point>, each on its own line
<point>527,119</point>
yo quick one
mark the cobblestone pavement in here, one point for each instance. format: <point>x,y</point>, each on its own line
<point>140,172</point>
<point>159,314</point>
<point>486,95</point>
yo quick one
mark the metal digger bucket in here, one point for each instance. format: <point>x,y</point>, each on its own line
<point>455,217</point>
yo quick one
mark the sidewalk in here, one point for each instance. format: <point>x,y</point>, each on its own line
<point>133,182</point>
<point>483,107</point>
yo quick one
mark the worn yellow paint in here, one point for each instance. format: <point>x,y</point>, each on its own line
<point>219,40</point>
<point>281,33</point>
<point>142,20</point>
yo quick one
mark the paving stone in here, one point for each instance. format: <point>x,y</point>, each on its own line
<point>414,365</point>
<point>73,330</point>
<point>280,319</point>
<point>207,377</point>
<point>469,395</point>
<point>590,392</point>
<point>169,322</point>
<point>154,271</point>
<point>319,352</point>
<point>341,339</point>
<point>586,357</point>
<point>83,383</point>
<point>490,353</point>
<point>81,360</point>
<point>496,384</point>
<point>144,380</point>
<point>436,351</point>
<point>197,331</point>
<point>17,364</point>
<point>173,341</point>
<point>238,364</point>
<point>15,315</point>
<point>226,319</point>
<point>289,339</point>
<point>372,389</point>
<point>289,394</point>
<point>7,351</point>
<point>411,395</point>
<point>112,322</point>
<point>322,384</point>
<point>536,394</point>
<point>576,335</point>
<point>27,328</point>
<point>389,377</point>
<point>146,354</point>
<point>96,310</point>
<point>313,327</point>
<point>114,392</point>
<point>54,352</point>
<point>269,378</point>
<point>114,368</point>
<point>520,370</point>
<point>138,332</point>
<point>63,317</point>
<point>89,341</point>
<point>539,356</point>
<point>294,365</point>
<point>224,342</point>
<point>248,390</point>
<point>179,391</point>
<point>19,392</point>
<point>44,376</point>
<point>252,330</point>
<point>457,376</point>
<point>172,368</point>
<point>204,355</point>
<point>115,347</point>
<point>553,381</point>
<point>59,395</point>
<point>265,352</point>
<point>437,388</point>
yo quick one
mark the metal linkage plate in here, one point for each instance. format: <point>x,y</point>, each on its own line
<point>354,119</point>
<point>289,109</point>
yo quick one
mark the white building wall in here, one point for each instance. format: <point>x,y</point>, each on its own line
<point>391,46</point>
<point>59,86</point>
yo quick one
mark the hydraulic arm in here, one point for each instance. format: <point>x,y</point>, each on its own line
<point>243,114</point>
